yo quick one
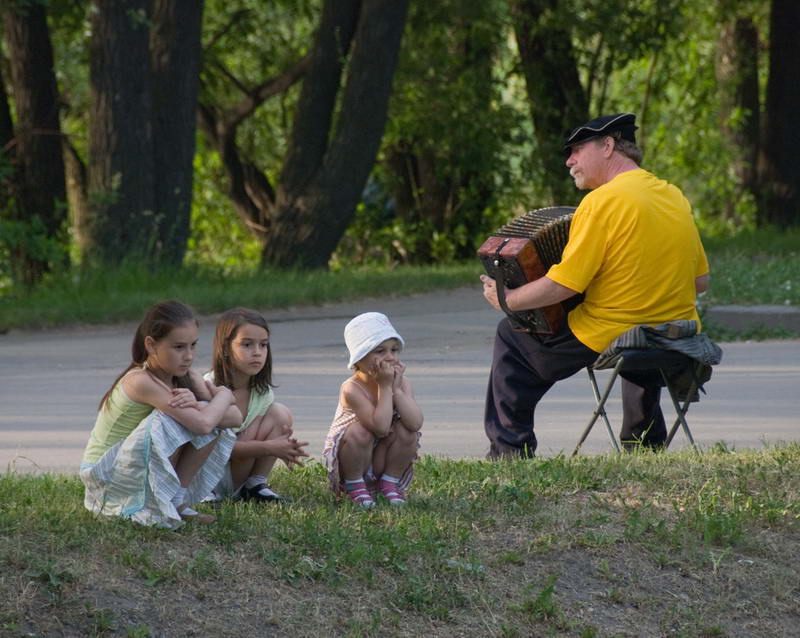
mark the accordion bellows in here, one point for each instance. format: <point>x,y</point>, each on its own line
<point>522,251</point>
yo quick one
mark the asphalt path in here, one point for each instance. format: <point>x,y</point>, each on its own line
<point>51,382</point>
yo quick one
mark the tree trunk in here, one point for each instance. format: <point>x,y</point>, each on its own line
<point>249,190</point>
<point>321,188</point>
<point>39,172</point>
<point>737,76</point>
<point>558,102</point>
<point>121,181</point>
<point>6,124</point>
<point>779,154</point>
<point>175,52</point>
<point>77,187</point>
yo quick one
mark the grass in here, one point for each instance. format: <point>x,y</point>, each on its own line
<point>755,268</point>
<point>750,268</point>
<point>101,296</point>
<point>617,545</point>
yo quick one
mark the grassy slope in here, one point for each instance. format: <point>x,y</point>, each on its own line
<point>107,297</point>
<point>635,545</point>
<point>756,268</point>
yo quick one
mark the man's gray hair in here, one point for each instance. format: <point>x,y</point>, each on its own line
<point>624,147</point>
<point>628,149</point>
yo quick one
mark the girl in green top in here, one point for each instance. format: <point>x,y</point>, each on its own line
<point>242,361</point>
<point>160,442</point>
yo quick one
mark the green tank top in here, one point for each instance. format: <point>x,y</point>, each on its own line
<point>115,421</point>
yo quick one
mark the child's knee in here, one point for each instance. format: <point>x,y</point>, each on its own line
<point>277,421</point>
<point>404,436</point>
<point>358,436</point>
<point>280,414</point>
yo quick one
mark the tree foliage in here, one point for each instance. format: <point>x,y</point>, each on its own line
<point>447,152</point>
<point>409,129</point>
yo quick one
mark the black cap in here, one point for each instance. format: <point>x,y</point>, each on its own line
<point>602,126</point>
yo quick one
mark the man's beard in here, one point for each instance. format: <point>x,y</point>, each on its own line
<point>579,179</point>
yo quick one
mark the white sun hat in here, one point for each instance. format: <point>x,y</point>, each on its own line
<point>366,332</point>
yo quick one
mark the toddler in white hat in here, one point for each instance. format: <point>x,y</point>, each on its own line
<point>373,440</point>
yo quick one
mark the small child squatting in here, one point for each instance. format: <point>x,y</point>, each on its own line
<point>374,437</point>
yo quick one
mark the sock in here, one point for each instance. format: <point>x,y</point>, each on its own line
<point>255,481</point>
<point>252,481</point>
<point>180,497</point>
<point>349,484</point>
<point>390,479</point>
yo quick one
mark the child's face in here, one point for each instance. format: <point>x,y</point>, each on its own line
<point>388,351</point>
<point>174,353</point>
<point>249,349</point>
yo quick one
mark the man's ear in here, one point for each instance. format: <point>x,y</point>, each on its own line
<point>609,144</point>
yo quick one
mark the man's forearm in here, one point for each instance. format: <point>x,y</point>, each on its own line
<point>537,294</point>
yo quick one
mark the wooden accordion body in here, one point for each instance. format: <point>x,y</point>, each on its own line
<point>522,251</point>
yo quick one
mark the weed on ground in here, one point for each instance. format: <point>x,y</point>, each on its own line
<point>675,544</point>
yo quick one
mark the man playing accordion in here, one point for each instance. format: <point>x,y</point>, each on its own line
<point>635,254</point>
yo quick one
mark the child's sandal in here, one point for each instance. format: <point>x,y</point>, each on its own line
<point>191,515</point>
<point>392,492</point>
<point>360,495</point>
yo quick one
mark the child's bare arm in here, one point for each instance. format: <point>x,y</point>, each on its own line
<point>199,386</point>
<point>200,418</point>
<point>375,417</point>
<point>404,401</point>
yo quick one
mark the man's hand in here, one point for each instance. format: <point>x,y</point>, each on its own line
<point>490,291</point>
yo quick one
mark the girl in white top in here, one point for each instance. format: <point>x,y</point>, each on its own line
<point>160,442</point>
<point>374,438</point>
<point>243,362</point>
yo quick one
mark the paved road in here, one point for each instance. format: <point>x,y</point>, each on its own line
<point>50,383</point>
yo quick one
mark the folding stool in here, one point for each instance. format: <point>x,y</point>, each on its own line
<point>665,362</point>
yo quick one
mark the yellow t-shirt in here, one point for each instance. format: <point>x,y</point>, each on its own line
<point>635,252</point>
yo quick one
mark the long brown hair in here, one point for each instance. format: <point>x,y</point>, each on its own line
<point>158,322</point>
<point>227,327</point>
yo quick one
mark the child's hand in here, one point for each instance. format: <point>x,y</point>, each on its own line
<point>214,390</point>
<point>399,368</point>
<point>289,450</point>
<point>384,374</point>
<point>183,398</point>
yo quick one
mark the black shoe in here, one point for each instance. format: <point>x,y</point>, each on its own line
<point>254,494</point>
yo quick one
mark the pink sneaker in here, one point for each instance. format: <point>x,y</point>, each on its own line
<point>360,495</point>
<point>392,492</point>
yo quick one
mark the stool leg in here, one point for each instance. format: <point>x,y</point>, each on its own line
<point>680,412</point>
<point>600,409</point>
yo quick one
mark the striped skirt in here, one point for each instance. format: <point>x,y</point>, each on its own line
<point>135,479</point>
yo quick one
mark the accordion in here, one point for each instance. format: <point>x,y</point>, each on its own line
<point>522,251</point>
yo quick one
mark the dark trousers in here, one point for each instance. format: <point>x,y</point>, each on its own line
<point>525,367</point>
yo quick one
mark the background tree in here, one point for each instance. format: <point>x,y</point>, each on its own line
<point>121,179</point>
<point>34,227</point>
<point>739,110</point>
<point>557,100</point>
<point>335,136</point>
<point>779,160</point>
<point>445,159</point>
<point>175,59</point>
<point>142,128</point>
<point>295,96</point>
